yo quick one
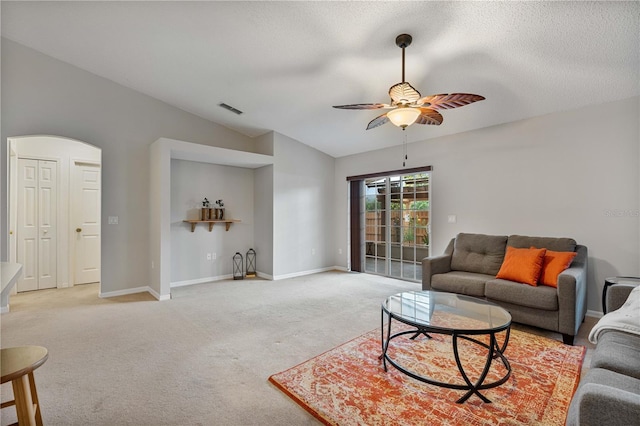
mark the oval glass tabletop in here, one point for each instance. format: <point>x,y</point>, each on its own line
<point>447,312</point>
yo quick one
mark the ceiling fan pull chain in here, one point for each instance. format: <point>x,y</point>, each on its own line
<point>404,150</point>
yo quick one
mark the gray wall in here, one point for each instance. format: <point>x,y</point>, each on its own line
<point>263,209</point>
<point>574,174</point>
<point>263,220</point>
<point>191,182</point>
<point>303,232</point>
<point>41,95</point>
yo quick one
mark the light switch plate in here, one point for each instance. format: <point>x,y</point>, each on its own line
<point>452,218</point>
<point>113,220</point>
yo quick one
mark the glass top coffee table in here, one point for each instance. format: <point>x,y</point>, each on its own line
<point>461,317</point>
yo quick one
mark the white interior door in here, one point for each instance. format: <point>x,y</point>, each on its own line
<point>86,217</point>
<point>37,233</point>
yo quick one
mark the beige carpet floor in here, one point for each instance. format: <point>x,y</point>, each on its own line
<point>202,358</point>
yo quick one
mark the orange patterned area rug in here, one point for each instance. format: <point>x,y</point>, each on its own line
<point>347,385</point>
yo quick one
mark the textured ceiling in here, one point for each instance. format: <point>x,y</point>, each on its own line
<point>286,63</point>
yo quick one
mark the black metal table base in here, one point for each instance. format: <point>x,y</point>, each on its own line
<point>494,351</point>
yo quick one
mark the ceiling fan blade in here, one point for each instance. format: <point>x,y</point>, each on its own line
<point>403,93</point>
<point>429,116</point>
<point>378,121</point>
<point>362,106</point>
<point>451,101</point>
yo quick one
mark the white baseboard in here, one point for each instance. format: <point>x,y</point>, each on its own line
<point>302,273</point>
<point>134,291</point>
<point>157,295</point>
<point>124,292</point>
<point>212,279</point>
<point>594,314</point>
<point>264,276</point>
<point>200,281</point>
<point>259,274</point>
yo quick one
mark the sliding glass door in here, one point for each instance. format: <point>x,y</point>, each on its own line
<point>396,224</point>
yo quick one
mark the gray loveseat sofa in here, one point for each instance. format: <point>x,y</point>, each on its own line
<point>471,262</point>
<point>609,393</point>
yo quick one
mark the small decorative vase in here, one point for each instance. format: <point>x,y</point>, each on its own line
<point>204,213</point>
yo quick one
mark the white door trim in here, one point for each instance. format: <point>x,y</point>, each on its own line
<point>48,147</point>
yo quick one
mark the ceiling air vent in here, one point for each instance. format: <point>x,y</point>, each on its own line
<point>230,108</point>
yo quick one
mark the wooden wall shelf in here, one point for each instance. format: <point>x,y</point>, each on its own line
<point>227,222</point>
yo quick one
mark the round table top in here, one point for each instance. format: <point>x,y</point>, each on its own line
<point>447,312</point>
<point>21,360</point>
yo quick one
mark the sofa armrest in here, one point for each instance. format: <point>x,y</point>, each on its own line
<point>572,294</point>
<point>596,404</point>
<point>617,295</point>
<point>436,265</point>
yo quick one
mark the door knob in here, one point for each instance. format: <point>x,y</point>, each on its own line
<point>45,231</point>
<point>78,229</point>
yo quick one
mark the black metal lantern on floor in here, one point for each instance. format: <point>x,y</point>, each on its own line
<point>238,267</point>
<point>251,263</point>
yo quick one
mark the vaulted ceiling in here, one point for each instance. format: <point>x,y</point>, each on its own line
<point>284,64</point>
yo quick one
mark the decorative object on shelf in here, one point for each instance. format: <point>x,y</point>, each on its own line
<point>205,212</point>
<point>251,263</point>
<point>219,210</point>
<point>238,267</point>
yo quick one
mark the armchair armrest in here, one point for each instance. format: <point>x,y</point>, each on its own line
<point>572,294</point>
<point>605,398</point>
<point>436,265</point>
<point>617,295</point>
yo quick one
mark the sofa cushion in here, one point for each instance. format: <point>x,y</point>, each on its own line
<point>554,263</point>
<point>479,253</point>
<point>549,243</point>
<point>541,297</point>
<point>618,351</point>
<point>461,282</point>
<point>522,265</point>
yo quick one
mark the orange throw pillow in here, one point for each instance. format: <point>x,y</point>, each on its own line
<point>554,263</point>
<point>522,265</point>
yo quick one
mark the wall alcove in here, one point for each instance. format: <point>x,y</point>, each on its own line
<point>162,151</point>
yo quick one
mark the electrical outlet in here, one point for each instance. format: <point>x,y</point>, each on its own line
<point>208,256</point>
<point>339,251</point>
<point>313,252</point>
<point>214,256</point>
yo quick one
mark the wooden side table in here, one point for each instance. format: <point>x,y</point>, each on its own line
<point>608,282</point>
<point>17,365</point>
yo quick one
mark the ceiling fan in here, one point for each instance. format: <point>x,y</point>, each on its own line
<point>408,107</point>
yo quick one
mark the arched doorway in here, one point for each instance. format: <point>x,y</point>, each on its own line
<point>54,211</point>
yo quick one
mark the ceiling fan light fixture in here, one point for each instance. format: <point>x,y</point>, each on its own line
<point>408,106</point>
<point>403,116</point>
